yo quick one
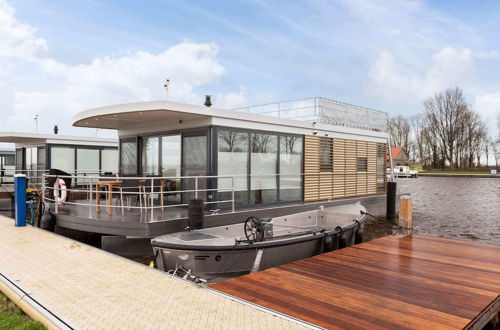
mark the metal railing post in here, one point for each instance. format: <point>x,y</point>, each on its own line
<point>90,198</point>
<point>232,192</point>
<point>152,206</point>
<point>196,187</point>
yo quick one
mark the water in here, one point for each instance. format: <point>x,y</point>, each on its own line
<point>454,207</point>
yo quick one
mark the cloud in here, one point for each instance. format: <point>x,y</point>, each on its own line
<point>17,39</point>
<point>232,100</point>
<point>488,105</point>
<point>393,80</point>
<point>56,91</point>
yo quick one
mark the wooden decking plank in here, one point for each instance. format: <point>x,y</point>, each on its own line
<point>395,282</point>
<point>425,269</point>
<point>387,309</point>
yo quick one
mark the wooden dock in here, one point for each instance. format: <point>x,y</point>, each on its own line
<point>67,284</point>
<point>394,282</point>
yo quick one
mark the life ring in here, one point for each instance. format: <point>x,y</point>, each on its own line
<point>59,184</point>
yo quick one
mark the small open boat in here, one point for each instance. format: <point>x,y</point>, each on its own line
<point>214,254</point>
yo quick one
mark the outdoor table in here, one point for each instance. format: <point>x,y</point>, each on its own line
<point>109,185</point>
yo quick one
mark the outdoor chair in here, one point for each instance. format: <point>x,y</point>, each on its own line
<point>131,189</point>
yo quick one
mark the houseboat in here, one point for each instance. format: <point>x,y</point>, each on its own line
<point>36,154</point>
<point>7,165</point>
<point>267,160</point>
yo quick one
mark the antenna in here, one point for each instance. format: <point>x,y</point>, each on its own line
<point>36,123</point>
<point>166,85</point>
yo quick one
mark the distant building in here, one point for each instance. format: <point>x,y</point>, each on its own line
<point>399,156</point>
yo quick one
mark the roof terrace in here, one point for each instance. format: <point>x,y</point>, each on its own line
<point>325,111</point>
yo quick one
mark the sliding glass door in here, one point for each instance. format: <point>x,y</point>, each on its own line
<point>194,163</point>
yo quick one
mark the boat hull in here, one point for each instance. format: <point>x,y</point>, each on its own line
<point>217,265</point>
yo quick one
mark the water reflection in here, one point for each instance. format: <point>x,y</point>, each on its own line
<point>461,208</point>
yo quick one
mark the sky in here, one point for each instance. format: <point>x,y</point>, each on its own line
<point>58,58</point>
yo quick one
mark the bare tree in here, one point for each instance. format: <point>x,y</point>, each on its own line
<point>399,128</point>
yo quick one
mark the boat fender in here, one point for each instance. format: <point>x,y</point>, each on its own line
<point>342,239</point>
<point>358,235</point>
<point>60,185</point>
<point>152,264</point>
<point>48,221</point>
<point>327,243</point>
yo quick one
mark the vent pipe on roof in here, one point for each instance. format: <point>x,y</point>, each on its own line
<point>56,129</point>
<point>208,102</point>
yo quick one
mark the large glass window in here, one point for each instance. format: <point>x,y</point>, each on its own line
<point>150,155</point>
<point>128,158</point>
<point>87,161</point>
<point>19,159</point>
<point>232,159</point>
<point>109,160</point>
<point>30,160</point>
<point>264,155</point>
<point>171,155</point>
<point>63,158</point>
<point>290,168</point>
<point>194,153</point>
<point>171,165</point>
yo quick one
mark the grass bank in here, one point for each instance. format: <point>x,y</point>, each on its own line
<point>455,173</point>
<point>11,317</point>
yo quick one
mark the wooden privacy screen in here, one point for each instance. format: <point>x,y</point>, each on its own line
<point>356,168</point>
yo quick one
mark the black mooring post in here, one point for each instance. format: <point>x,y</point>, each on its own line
<point>391,201</point>
<point>195,214</point>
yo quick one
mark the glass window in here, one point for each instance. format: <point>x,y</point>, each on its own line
<point>63,158</point>
<point>30,159</point>
<point>19,159</point>
<point>290,168</point>
<point>263,168</point>
<point>41,158</point>
<point>194,153</point>
<point>362,165</point>
<point>326,155</point>
<point>109,160</point>
<point>87,161</point>
<point>171,155</point>
<point>9,160</point>
<point>232,159</point>
<point>128,158</point>
<point>150,155</point>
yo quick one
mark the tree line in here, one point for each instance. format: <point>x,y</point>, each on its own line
<point>447,133</point>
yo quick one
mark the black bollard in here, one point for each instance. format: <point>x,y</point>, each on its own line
<point>195,214</point>
<point>391,201</point>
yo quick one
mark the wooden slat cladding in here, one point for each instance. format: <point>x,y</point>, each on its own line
<point>336,168</point>
<point>395,282</point>
<point>339,168</point>
<point>372,168</point>
<point>351,163</point>
<point>361,167</point>
<point>311,168</point>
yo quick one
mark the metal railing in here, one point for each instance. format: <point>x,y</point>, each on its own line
<point>149,192</point>
<point>145,189</point>
<point>323,110</point>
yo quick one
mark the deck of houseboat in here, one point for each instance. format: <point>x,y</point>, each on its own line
<point>137,223</point>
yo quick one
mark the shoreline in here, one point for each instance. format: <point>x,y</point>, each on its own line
<point>466,175</point>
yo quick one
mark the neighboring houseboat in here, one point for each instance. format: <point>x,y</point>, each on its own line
<point>7,165</point>
<point>268,160</point>
<point>36,154</point>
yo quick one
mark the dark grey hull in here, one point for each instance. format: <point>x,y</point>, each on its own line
<point>214,262</point>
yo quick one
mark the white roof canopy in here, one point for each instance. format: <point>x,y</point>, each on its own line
<point>155,116</point>
<point>34,138</point>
